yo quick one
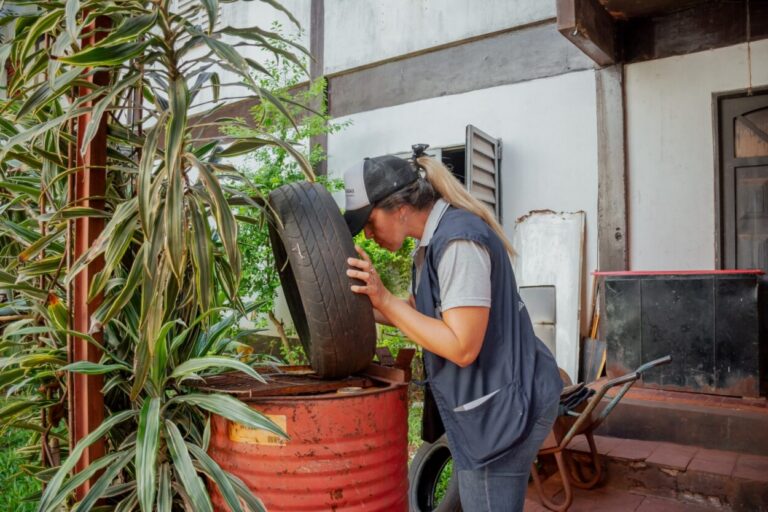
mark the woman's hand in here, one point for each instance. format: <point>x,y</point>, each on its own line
<point>363,269</point>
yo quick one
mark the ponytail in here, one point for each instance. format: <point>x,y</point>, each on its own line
<point>454,193</point>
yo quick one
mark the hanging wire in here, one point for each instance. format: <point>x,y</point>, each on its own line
<point>749,54</point>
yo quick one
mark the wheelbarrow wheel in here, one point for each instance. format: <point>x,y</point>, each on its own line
<point>427,476</point>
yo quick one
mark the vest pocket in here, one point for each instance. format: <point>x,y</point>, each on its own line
<point>494,425</point>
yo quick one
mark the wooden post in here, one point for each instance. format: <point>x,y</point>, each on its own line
<point>87,186</point>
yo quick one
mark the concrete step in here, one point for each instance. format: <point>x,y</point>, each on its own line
<point>685,474</point>
<point>709,421</point>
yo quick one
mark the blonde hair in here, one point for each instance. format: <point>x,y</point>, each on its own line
<point>440,183</point>
<point>454,193</point>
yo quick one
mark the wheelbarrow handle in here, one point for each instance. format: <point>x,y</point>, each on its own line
<point>647,366</point>
<point>626,382</point>
<point>586,415</point>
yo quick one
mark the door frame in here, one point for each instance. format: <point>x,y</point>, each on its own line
<point>717,105</point>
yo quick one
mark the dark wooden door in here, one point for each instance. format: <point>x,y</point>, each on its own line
<point>743,128</point>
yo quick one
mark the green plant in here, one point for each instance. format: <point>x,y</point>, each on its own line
<point>270,167</point>
<point>393,267</point>
<point>16,484</point>
<point>172,266</point>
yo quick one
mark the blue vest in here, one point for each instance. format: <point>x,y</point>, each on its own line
<point>513,364</point>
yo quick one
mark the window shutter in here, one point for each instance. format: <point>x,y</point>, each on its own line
<point>483,168</point>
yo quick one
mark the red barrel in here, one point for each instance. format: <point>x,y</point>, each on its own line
<point>348,450</point>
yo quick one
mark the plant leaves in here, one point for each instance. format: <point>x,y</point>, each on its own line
<point>130,29</point>
<point>90,368</point>
<point>104,481</point>
<point>174,200</point>
<point>202,254</point>
<point>225,220</point>
<point>105,55</point>
<point>232,409</point>
<point>164,489</point>
<point>70,15</point>
<point>244,146</point>
<point>217,475</point>
<point>101,107</point>
<point>212,8</point>
<point>147,442</point>
<point>52,498</point>
<point>182,463</point>
<point>193,366</point>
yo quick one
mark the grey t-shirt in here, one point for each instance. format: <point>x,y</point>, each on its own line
<point>464,271</point>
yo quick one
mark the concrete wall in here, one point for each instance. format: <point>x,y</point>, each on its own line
<point>360,32</point>
<point>548,127</point>
<point>670,153</point>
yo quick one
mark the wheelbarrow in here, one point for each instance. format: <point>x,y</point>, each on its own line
<point>577,416</point>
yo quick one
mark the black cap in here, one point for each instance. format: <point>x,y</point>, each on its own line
<point>370,181</point>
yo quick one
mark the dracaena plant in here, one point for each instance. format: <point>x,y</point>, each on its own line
<point>171,263</point>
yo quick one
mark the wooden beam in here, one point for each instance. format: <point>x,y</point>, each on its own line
<point>590,27</point>
<point>701,27</point>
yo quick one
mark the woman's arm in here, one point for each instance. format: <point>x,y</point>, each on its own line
<point>458,337</point>
<point>381,319</point>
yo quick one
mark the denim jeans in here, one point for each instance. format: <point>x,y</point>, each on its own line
<point>501,485</point>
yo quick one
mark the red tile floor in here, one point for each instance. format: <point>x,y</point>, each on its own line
<point>719,468</point>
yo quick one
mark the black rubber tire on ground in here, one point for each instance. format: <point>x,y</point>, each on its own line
<point>423,475</point>
<point>335,325</point>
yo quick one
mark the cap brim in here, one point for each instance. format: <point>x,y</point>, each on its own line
<point>356,219</point>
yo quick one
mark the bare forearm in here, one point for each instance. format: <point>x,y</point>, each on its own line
<point>381,318</point>
<point>432,334</point>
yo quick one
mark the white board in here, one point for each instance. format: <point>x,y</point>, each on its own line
<point>550,251</point>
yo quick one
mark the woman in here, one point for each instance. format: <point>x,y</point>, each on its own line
<point>495,385</point>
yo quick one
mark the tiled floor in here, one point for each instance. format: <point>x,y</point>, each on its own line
<point>681,457</point>
<point>611,500</point>
<point>715,466</point>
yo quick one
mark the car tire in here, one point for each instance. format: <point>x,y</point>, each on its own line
<point>311,244</point>
<point>423,477</point>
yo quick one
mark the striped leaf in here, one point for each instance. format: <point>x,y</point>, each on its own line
<point>174,200</point>
<point>70,15</point>
<point>182,463</point>
<point>232,409</point>
<point>130,29</point>
<point>217,476</point>
<point>202,254</point>
<point>225,220</point>
<point>147,442</point>
<point>192,367</point>
<point>90,368</point>
<point>164,495</point>
<point>105,56</point>
<point>52,497</point>
<point>105,480</point>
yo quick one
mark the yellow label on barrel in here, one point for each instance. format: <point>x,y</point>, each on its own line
<point>242,434</point>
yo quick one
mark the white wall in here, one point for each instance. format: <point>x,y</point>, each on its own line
<point>359,32</point>
<point>670,153</point>
<point>249,14</point>
<point>548,128</point>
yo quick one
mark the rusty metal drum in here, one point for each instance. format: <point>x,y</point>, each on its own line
<point>348,448</point>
